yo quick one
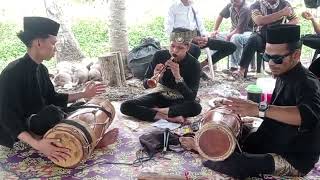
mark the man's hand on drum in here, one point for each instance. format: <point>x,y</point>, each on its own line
<point>51,149</point>
<point>92,89</point>
<point>242,107</point>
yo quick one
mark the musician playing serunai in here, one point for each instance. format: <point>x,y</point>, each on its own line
<point>178,81</point>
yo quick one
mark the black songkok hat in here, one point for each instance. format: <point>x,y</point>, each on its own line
<point>37,27</point>
<point>184,36</point>
<point>283,33</point>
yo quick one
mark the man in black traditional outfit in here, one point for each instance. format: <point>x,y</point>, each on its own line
<point>174,98</point>
<point>287,142</point>
<point>28,101</point>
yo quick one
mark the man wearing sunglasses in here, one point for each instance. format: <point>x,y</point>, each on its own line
<point>287,142</point>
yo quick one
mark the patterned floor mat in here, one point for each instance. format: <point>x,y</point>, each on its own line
<point>25,163</point>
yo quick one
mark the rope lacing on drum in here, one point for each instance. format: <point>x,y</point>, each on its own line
<point>240,132</point>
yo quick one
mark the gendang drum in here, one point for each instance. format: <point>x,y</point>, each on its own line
<point>217,137</point>
<point>82,130</point>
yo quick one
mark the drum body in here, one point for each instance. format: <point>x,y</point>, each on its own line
<point>216,139</point>
<point>82,130</point>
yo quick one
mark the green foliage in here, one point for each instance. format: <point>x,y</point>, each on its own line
<point>92,36</point>
<point>154,29</point>
<point>10,45</point>
<point>224,27</point>
<point>306,28</point>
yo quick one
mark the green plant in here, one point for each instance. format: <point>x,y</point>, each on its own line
<point>10,45</point>
<point>92,36</point>
<point>154,29</point>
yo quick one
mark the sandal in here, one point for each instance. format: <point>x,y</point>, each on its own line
<point>237,75</point>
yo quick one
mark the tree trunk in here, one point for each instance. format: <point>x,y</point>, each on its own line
<point>110,70</point>
<point>68,47</point>
<point>121,67</point>
<point>118,35</point>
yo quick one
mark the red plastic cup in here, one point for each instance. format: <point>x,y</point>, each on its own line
<point>269,96</point>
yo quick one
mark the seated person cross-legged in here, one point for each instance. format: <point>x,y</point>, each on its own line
<point>29,104</point>
<point>264,13</point>
<point>174,77</point>
<point>313,41</point>
<point>287,141</point>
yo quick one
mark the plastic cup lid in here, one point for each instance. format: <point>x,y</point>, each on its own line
<point>252,88</point>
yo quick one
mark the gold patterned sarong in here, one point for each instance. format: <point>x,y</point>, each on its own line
<point>167,93</point>
<point>283,167</point>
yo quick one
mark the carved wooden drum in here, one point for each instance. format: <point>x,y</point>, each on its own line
<point>82,130</point>
<point>217,137</point>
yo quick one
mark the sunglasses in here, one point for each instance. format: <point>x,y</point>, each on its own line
<point>278,59</point>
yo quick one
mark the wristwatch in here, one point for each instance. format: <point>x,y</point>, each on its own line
<point>263,107</point>
<point>179,80</point>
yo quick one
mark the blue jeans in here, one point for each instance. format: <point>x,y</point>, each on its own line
<point>240,41</point>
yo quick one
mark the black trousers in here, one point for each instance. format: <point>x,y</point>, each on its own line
<point>241,165</point>
<point>315,67</point>
<point>222,48</point>
<point>195,51</point>
<point>256,43</point>
<point>141,108</point>
<point>48,117</point>
<point>44,120</point>
<point>311,40</point>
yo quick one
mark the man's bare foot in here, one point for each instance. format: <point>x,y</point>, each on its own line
<point>108,138</point>
<point>163,111</point>
<point>177,119</point>
<point>188,143</point>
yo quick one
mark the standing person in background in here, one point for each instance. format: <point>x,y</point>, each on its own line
<point>182,14</point>
<point>241,28</point>
<point>264,14</point>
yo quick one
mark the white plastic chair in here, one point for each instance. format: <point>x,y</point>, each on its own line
<point>208,52</point>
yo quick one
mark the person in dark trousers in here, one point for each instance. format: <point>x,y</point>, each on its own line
<point>241,28</point>
<point>183,14</point>
<point>179,79</point>
<point>222,48</point>
<point>313,41</point>
<point>29,104</point>
<point>264,14</point>
<point>287,141</point>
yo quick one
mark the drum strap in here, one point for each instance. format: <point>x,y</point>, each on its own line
<point>79,126</point>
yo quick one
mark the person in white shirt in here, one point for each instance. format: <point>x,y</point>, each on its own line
<point>183,14</point>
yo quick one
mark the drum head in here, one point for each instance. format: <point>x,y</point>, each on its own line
<point>215,142</point>
<point>70,141</point>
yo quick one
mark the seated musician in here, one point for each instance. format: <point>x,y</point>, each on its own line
<point>174,97</point>
<point>313,41</point>
<point>27,97</point>
<point>287,142</point>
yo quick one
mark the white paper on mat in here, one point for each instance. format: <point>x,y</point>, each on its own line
<point>162,123</point>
